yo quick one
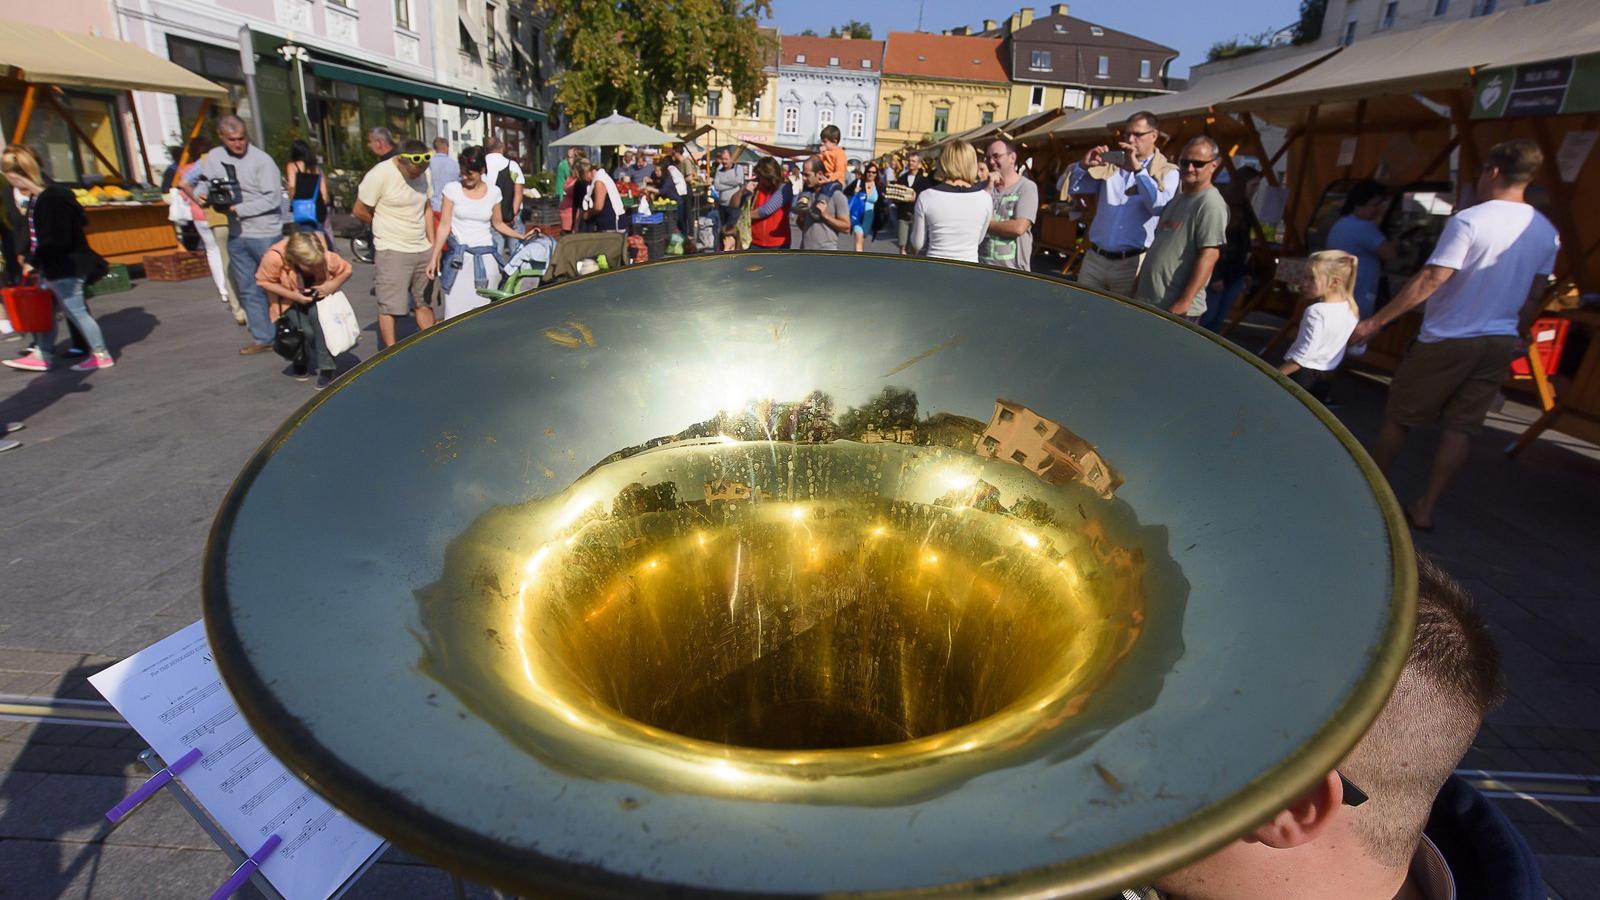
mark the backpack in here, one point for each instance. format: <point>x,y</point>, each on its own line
<point>507,186</point>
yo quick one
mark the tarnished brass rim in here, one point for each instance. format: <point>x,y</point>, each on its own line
<point>418,831</point>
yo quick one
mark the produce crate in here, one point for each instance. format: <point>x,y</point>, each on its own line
<point>181,266</point>
<point>116,281</point>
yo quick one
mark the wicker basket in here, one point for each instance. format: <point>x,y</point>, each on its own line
<point>182,266</point>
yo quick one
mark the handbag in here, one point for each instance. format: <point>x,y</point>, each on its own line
<point>341,330</point>
<point>178,209</point>
<point>304,212</point>
<point>288,341</point>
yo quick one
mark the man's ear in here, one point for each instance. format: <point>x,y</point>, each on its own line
<point>1306,818</point>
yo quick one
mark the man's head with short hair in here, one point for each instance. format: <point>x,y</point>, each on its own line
<point>492,144</point>
<point>815,172</point>
<point>725,158</point>
<point>441,145</point>
<point>1002,157</point>
<point>234,136</point>
<point>380,141</point>
<point>1198,164</point>
<point>1366,199</point>
<point>830,134</point>
<point>1320,847</point>
<point>914,162</point>
<point>412,169</point>
<point>1514,162</point>
<point>1142,131</point>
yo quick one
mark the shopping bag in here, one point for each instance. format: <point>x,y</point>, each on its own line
<point>340,328</point>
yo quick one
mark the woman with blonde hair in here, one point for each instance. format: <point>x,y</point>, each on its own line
<point>1327,323</point>
<point>300,270</point>
<point>951,218</point>
<point>58,252</point>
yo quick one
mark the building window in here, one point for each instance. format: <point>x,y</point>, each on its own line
<point>1007,415</point>
<point>1040,59</point>
<point>489,35</point>
<point>791,120</point>
<point>1484,7</point>
<point>858,124</point>
<point>1042,428</point>
<point>1387,21</point>
<point>941,119</point>
<point>866,64</point>
<point>1019,456</point>
<point>1440,7</point>
<point>894,117</point>
<point>800,59</point>
<point>402,14</point>
<point>990,443</point>
<point>1103,69</point>
<point>833,60</point>
<point>1036,98</point>
<point>824,116</point>
<point>986,117</point>
<point>755,108</point>
<point>1144,70</point>
<point>713,103</point>
<point>1349,35</point>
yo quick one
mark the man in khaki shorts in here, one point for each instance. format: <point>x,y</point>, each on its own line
<point>393,199</point>
<point>1483,285</point>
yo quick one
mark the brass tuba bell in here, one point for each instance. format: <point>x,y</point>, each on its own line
<point>809,574</point>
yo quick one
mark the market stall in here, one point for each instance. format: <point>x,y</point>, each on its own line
<point>1416,111</point>
<point>60,93</point>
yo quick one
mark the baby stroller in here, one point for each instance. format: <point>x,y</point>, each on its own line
<point>525,268</point>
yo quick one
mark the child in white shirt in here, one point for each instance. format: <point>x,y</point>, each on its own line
<point>1326,326</point>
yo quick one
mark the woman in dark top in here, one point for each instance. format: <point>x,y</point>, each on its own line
<point>306,181</point>
<point>54,248</point>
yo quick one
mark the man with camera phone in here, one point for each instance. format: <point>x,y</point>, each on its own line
<point>1133,184</point>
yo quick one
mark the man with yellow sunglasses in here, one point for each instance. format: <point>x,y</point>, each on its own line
<point>393,199</point>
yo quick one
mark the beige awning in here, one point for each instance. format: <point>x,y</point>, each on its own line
<point>1202,97</point>
<point>1438,57</point>
<point>45,56</point>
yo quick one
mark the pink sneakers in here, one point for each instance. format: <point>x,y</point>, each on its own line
<point>97,361</point>
<point>29,363</point>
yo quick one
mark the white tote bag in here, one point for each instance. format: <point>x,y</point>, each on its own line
<point>340,328</point>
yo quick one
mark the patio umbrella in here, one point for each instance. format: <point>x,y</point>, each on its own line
<point>613,130</point>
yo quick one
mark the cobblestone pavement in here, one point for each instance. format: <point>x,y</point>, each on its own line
<point>109,502</point>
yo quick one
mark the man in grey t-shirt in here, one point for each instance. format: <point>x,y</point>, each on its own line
<point>822,212</point>
<point>1009,243</point>
<point>1189,236</point>
<point>726,181</point>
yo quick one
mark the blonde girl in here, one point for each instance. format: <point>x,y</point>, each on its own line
<point>1328,321</point>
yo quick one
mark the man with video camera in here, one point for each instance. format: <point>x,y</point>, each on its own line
<point>241,180</point>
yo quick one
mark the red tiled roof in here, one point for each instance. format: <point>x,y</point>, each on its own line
<point>943,56</point>
<point>818,50</point>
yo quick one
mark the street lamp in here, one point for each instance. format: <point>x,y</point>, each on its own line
<point>296,54</point>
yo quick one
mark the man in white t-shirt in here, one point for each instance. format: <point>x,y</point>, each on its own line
<point>510,186</point>
<point>1483,286</point>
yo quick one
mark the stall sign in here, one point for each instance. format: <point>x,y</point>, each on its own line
<point>1550,88</point>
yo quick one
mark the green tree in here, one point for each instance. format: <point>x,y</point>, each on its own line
<point>852,29</point>
<point>627,55</point>
<point>892,407</point>
<point>1309,28</point>
<point>808,33</point>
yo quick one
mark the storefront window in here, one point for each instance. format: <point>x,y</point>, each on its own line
<point>219,64</point>
<point>64,155</point>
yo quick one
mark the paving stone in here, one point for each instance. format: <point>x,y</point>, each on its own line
<point>1574,877</point>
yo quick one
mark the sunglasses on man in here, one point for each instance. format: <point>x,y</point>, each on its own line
<point>1353,796</point>
<point>420,159</point>
<point>1188,163</point>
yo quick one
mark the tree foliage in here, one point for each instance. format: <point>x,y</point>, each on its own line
<point>628,55</point>
<point>860,31</point>
<point>891,407</point>
<point>1309,28</point>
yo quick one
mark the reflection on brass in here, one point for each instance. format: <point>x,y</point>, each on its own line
<point>783,603</point>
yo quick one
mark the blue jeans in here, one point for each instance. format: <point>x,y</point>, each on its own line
<point>1217,307</point>
<point>69,293</point>
<point>244,258</point>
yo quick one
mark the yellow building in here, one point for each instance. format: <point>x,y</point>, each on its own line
<point>938,84</point>
<point>718,109</point>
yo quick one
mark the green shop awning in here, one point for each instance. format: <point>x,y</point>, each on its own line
<point>423,90</point>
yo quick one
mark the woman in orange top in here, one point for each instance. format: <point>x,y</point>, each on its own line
<point>297,272</point>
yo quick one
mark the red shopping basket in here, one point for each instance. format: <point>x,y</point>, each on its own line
<point>29,307</point>
<point>1549,339</point>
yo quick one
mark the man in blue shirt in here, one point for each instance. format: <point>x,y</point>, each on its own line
<point>1133,183</point>
<point>1357,234</point>
<point>442,170</point>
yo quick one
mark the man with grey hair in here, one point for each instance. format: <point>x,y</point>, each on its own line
<point>442,170</point>
<point>381,142</point>
<point>1188,238</point>
<point>247,185</point>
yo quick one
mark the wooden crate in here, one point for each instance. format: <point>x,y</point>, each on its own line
<point>180,266</point>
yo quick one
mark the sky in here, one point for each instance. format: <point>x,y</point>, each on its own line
<point>1190,26</point>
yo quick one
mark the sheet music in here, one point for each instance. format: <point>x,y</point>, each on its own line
<point>172,694</point>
